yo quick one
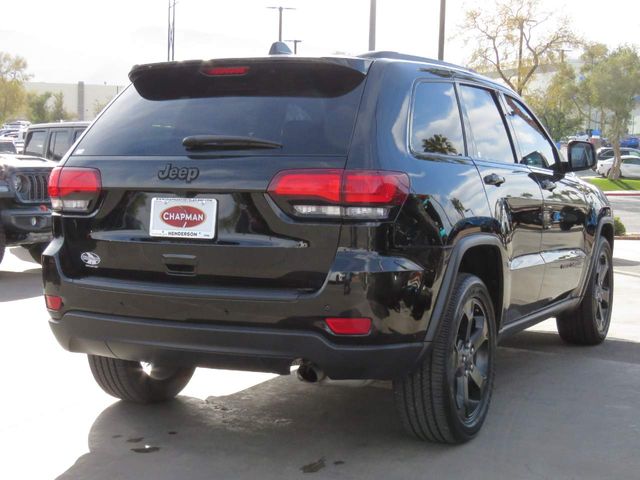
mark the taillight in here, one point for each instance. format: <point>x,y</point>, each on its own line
<point>74,189</point>
<point>350,194</point>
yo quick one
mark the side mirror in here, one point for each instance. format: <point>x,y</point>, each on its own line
<point>580,156</point>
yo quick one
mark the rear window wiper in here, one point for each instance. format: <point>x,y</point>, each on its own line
<point>221,142</point>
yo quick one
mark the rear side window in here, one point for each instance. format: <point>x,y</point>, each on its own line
<point>7,147</point>
<point>436,126</point>
<point>35,143</point>
<point>535,147</point>
<point>487,126</point>
<point>310,110</point>
<point>59,144</point>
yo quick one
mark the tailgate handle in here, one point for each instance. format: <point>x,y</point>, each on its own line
<point>183,265</point>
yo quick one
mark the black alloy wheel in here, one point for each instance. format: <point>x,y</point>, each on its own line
<point>603,292</point>
<point>470,360</point>
<point>446,398</point>
<point>588,323</point>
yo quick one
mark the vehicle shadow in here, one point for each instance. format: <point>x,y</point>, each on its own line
<point>20,285</point>
<point>557,412</point>
<point>23,254</point>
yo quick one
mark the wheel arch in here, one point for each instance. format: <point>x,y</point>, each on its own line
<point>605,229</point>
<point>482,255</point>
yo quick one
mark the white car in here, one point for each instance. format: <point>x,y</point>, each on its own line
<point>629,168</point>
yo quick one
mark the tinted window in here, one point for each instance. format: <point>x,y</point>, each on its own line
<point>308,121</point>
<point>7,147</point>
<point>487,126</point>
<point>604,154</point>
<point>59,144</point>
<point>76,134</point>
<point>436,125</point>
<point>535,148</point>
<point>35,143</point>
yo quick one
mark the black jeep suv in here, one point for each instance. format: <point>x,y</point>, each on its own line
<point>374,217</point>
<point>25,216</point>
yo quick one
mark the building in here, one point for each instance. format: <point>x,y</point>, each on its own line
<point>81,100</point>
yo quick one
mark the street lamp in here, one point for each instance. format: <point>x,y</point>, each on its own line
<point>443,7</point>
<point>280,10</point>
<point>295,45</point>
<point>372,25</point>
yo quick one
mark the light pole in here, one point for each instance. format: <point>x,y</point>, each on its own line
<point>443,8</point>
<point>295,45</point>
<point>171,33</point>
<point>280,10</point>
<point>372,25</point>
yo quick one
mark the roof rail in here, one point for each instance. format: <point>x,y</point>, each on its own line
<point>412,58</point>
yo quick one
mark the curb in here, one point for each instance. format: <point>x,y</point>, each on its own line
<point>622,194</point>
<point>631,236</point>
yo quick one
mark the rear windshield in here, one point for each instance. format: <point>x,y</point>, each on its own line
<point>305,115</point>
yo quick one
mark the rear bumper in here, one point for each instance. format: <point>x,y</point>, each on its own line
<point>27,220</point>
<point>238,348</point>
<point>253,329</point>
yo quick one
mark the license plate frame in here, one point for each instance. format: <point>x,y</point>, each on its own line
<point>167,213</point>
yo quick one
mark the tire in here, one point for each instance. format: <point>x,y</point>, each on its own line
<point>588,323</point>
<point>129,381</point>
<point>36,251</point>
<point>3,243</point>
<point>431,400</point>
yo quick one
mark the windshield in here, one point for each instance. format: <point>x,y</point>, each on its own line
<point>303,122</point>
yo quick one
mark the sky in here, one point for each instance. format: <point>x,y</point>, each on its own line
<point>65,41</point>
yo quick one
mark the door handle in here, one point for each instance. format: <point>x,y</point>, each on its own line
<point>548,185</point>
<point>494,179</point>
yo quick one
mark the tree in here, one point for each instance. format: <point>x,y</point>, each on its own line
<point>98,106</point>
<point>584,99</point>
<point>38,107</point>
<point>556,105</point>
<point>12,77</point>
<point>615,83</point>
<point>47,107</point>
<point>57,110</point>
<point>515,38</point>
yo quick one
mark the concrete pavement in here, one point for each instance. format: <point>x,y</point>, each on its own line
<point>558,412</point>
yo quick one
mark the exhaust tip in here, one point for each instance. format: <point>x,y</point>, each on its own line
<point>309,373</point>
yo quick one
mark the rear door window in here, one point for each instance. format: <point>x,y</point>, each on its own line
<point>436,126</point>
<point>309,109</point>
<point>34,145</point>
<point>487,125</point>
<point>77,133</point>
<point>59,144</point>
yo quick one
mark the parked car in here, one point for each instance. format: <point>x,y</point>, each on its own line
<point>605,153</point>
<point>25,215</point>
<point>7,145</point>
<point>52,140</point>
<point>375,217</point>
<point>631,142</point>
<point>629,166</point>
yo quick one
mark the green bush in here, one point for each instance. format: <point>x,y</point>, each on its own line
<point>618,227</point>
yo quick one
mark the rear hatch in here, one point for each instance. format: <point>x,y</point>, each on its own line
<point>184,158</point>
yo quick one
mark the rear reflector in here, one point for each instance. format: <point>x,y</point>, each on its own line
<point>74,188</point>
<point>53,302</point>
<point>349,326</point>
<point>225,71</point>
